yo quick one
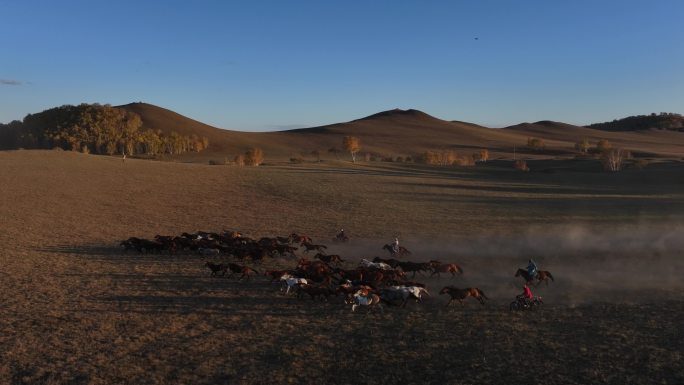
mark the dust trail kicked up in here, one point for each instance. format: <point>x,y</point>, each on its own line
<point>627,264</point>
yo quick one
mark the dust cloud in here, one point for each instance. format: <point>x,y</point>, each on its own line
<point>635,263</point>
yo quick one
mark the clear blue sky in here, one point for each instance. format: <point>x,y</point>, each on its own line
<point>264,65</point>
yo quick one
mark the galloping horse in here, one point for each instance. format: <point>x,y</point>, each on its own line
<point>462,294</point>
<point>541,276</point>
<point>446,268</point>
<point>369,300</point>
<point>401,253</point>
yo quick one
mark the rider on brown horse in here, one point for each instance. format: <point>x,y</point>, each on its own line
<point>531,268</point>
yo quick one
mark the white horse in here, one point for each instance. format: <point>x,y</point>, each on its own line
<point>368,300</point>
<point>403,293</point>
<point>289,282</point>
<point>375,265</point>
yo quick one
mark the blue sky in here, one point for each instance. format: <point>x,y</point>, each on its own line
<point>265,65</point>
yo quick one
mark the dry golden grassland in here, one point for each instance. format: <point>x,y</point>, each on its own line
<point>76,309</point>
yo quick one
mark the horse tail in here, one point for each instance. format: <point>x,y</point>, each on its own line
<point>550,276</point>
<point>458,268</point>
<point>481,293</point>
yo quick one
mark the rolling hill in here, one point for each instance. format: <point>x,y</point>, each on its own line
<point>402,133</point>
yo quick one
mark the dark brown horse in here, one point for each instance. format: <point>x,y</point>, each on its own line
<point>414,267</point>
<point>216,268</point>
<point>401,253</point>
<point>390,261</point>
<point>310,246</point>
<point>332,258</point>
<point>462,294</point>
<point>541,276</point>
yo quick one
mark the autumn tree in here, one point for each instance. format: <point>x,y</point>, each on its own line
<point>483,155</point>
<point>353,145</point>
<point>254,157</point>
<point>583,146</point>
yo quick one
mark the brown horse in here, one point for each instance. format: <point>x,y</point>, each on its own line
<point>300,238</point>
<point>462,294</point>
<point>446,268</point>
<point>541,276</point>
<point>244,270</point>
<point>544,276</point>
<point>402,251</point>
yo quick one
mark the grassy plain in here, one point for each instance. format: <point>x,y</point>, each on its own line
<point>75,309</point>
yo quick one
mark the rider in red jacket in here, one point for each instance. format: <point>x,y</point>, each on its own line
<point>527,293</point>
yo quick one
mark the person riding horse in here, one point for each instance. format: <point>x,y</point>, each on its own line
<point>395,245</point>
<point>532,268</point>
<point>526,294</point>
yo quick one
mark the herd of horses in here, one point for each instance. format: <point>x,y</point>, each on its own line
<point>371,283</point>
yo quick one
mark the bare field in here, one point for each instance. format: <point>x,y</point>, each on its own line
<point>77,310</point>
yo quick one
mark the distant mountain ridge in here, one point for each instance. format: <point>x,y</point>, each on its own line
<point>395,132</point>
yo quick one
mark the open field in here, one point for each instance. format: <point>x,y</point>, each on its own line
<point>76,309</point>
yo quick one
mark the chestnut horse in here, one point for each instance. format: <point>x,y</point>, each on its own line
<point>541,276</point>
<point>462,294</point>
<point>446,268</point>
<point>245,271</point>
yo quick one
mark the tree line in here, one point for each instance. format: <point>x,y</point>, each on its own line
<point>95,128</point>
<point>662,121</point>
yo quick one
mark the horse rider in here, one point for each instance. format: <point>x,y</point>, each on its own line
<point>341,235</point>
<point>531,268</point>
<point>526,294</point>
<point>395,245</point>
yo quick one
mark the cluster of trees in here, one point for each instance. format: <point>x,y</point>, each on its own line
<point>95,128</point>
<point>252,157</point>
<point>662,121</point>
<point>449,157</point>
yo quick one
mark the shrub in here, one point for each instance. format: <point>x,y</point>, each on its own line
<point>641,164</point>
<point>213,162</point>
<point>603,145</point>
<point>399,159</point>
<point>440,158</point>
<point>296,160</point>
<point>521,165</point>
<point>535,143</point>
